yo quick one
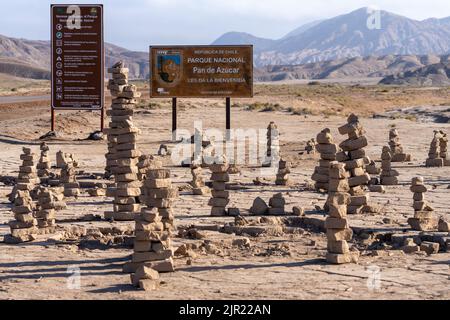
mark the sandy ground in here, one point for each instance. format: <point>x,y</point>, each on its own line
<point>280,265</point>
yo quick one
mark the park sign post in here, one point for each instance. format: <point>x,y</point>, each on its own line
<point>77,56</point>
<point>201,72</point>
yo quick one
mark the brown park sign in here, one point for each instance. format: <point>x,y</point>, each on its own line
<point>201,71</point>
<point>77,57</point>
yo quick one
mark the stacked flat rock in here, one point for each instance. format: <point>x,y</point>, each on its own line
<point>434,159</point>
<point>146,162</point>
<point>355,160</point>
<point>396,148</point>
<point>220,196</point>
<point>123,156</point>
<point>23,228</point>
<point>443,144</point>
<point>69,180</point>
<point>277,205</point>
<point>423,219</point>
<point>282,178</point>
<point>198,184</point>
<point>336,224</point>
<point>273,144</point>
<point>44,164</point>
<point>327,150</point>
<point>46,209</point>
<point>158,192</point>
<point>388,175</point>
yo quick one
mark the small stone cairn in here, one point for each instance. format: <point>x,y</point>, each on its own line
<point>219,178</point>
<point>355,160</point>
<point>396,148</point>
<point>336,224</point>
<point>327,150</point>
<point>424,219</point>
<point>388,175</point>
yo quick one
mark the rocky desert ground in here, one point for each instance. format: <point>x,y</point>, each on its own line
<point>256,257</point>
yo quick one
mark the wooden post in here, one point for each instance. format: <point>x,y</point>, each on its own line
<point>53,120</point>
<point>102,119</point>
<point>228,117</point>
<point>174,119</point>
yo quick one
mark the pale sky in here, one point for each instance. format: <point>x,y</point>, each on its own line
<point>136,24</point>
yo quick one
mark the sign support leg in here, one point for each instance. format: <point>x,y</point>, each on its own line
<point>102,119</point>
<point>174,119</point>
<point>53,120</point>
<point>228,117</point>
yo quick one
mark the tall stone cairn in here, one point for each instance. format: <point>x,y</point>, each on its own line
<point>327,150</point>
<point>355,160</point>
<point>220,196</point>
<point>396,148</point>
<point>198,183</point>
<point>336,224</point>
<point>424,219</point>
<point>282,178</point>
<point>46,210</point>
<point>434,158</point>
<point>69,180</point>
<point>123,156</point>
<point>388,175</point>
<point>44,164</point>
<point>443,144</point>
<point>153,252</point>
<point>23,228</point>
<point>273,144</point>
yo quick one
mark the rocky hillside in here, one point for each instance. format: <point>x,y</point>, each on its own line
<point>436,75</point>
<point>18,55</point>
<point>348,68</point>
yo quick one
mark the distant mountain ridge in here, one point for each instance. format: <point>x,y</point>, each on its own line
<point>342,46</point>
<point>348,36</point>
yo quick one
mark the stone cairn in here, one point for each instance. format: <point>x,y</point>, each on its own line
<point>277,205</point>
<point>434,154</point>
<point>153,252</point>
<point>388,175</point>
<point>44,164</point>
<point>220,196</point>
<point>336,224</point>
<point>327,150</point>
<point>396,148</point>
<point>273,144</point>
<point>123,156</point>
<point>23,228</point>
<point>310,147</point>
<point>423,219</point>
<point>354,158</point>
<point>282,178</point>
<point>198,183</point>
<point>46,208</point>
<point>27,179</point>
<point>69,180</point>
<point>443,145</point>
<point>64,158</point>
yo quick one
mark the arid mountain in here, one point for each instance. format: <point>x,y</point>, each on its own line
<point>435,75</point>
<point>23,58</point>
<point>348,36</point>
